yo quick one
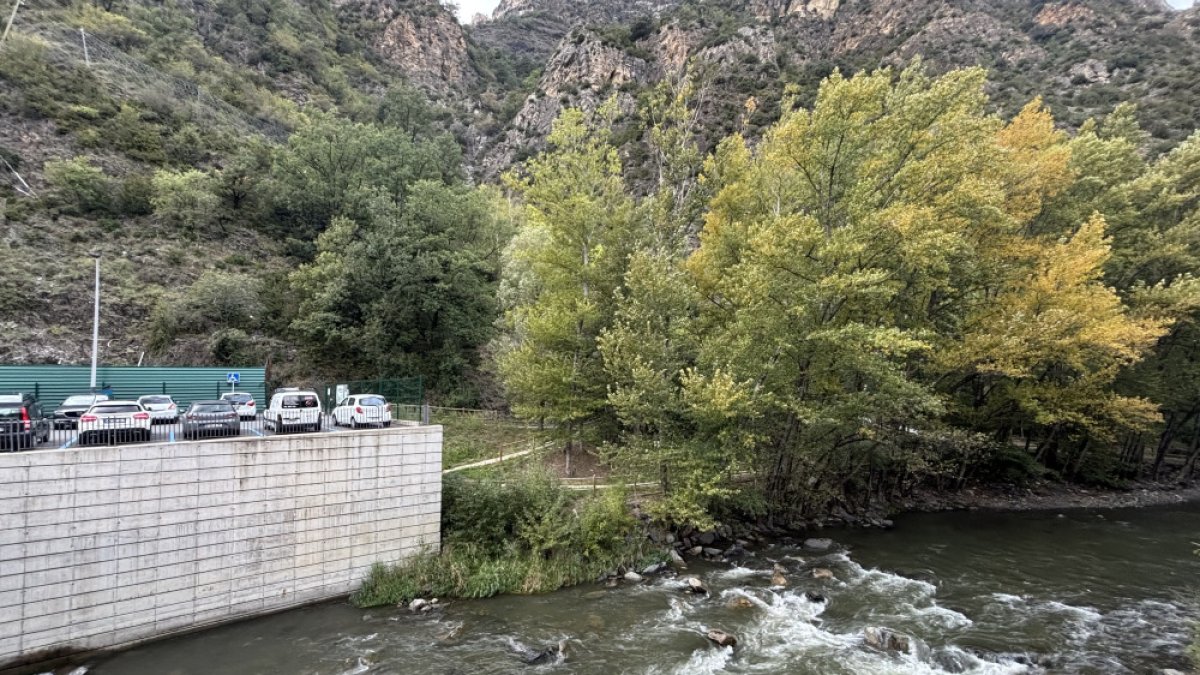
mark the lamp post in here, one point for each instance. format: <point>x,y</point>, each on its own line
<point>95,321</point>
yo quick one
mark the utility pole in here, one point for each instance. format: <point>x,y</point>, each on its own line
<point>96,322</point>
<point>11,18</point>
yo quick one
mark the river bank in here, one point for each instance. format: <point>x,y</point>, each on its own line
<point>1049,496</point>
<point>978,593</point>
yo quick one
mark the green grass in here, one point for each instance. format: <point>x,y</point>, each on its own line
<point>468,438</point>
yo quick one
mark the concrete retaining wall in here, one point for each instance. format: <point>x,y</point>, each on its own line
<point>107,546</point>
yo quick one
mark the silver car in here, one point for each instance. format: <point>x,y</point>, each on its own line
<point>208,419</point>
<point>161,407</point>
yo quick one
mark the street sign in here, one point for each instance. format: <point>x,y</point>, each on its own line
<point>233,378</point>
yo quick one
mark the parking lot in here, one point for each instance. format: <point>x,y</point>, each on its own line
<point>171,433</point>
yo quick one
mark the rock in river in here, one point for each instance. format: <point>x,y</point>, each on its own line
<point>721,638</point>
<point>886,640</point>
<point>633,576</point>
<point>420,605</point>
<point>821,544</point>
<point>694,585</point>
<point>741,602</point>
<point>822,573</point>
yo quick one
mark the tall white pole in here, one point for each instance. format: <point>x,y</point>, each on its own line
<point>96,324</point>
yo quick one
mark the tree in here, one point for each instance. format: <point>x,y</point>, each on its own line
<point>410,291</point>
<point>579,230</point>
<point>185,199</point>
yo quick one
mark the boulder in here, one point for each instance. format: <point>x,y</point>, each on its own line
<point>886,640</point>
<point>696,551</point>
<point>420,605</point>
<point>741,602</point>
<point>822,573</point>
<point>818,544</point>
<point>694,585</point>
<point>721,638</point>
<point>712,552</point>
<point>633,576</point>
<point>653,569</point>
<point>677,559</point>
<point>777,579</point>
<point>707,538</point>
<point>538,657</point>
<point>815,597</point>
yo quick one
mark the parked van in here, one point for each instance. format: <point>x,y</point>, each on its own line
<point>293,409</point>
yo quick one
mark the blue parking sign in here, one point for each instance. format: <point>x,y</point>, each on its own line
<point>233,378</point>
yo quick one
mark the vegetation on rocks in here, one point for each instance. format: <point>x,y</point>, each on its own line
<point>526,534</point>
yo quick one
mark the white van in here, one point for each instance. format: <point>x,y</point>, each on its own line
<point>293,409</point>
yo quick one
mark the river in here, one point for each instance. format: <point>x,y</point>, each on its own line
<point>1082,591</point>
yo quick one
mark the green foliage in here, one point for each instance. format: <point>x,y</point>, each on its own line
<point>524,535</point>
<point>185,200</point>
<point>217,300</point>
<point>579,227</point>
<point>79,187</point>
<point>411,290</point>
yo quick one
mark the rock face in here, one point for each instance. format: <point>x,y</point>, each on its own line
<point>421,38</point>
<point>584,73</point>
<point>772,9</point>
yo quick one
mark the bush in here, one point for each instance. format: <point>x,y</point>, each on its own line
<point>185,199</point>
<point>79,187</point>
<point>523,535</point>
<point>217,300</point>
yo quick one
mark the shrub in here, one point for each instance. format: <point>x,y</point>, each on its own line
<point>185,199</point>
<point>526,534</point>
<point>79,187</point>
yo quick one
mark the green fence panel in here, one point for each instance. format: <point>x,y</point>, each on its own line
<point>53,384</point>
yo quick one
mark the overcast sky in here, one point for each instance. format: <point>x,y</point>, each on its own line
<point>468,8</point>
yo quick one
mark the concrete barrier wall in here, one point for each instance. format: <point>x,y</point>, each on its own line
<point>107,546</point>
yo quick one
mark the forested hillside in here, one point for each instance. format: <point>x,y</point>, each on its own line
<point>320,182</point>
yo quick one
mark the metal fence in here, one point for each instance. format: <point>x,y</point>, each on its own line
<point>172,414</point>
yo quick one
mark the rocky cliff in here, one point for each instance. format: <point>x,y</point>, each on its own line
<point>1082,56</point>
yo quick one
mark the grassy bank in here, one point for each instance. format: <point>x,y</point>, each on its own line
<point>522,534</point>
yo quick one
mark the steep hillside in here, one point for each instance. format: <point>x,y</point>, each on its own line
<point>201,95</point>
<point>170,146</point>
<point>1083,57</point>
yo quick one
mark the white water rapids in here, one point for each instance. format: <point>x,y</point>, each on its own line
<point>1104,593</point>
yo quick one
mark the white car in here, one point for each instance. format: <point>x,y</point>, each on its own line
<point>111,421</point>
<point>363,409</point>
<point>293,409</point>
<point>244,404</point>
<point>161,408</point>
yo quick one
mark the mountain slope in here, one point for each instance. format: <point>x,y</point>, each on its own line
<point>1083,57</point>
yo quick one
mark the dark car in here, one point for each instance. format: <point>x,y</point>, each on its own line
<point>66,416</point>
<point>205,419</point>
<point>22,424</point>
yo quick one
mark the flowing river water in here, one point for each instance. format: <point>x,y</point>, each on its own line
<point>1084,591</point>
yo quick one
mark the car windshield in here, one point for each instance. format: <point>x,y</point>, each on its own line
<point>302,401</point>
<point>212,408</point>
<point>113,409</point>
<point>79,400</point>
<point>238,398</point>
<point>10,411</point>
<point>372,400</point>
<point>155,400</point>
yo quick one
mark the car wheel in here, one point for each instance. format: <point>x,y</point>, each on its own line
<point>146,436</point>
<point>353,423</point>
<point>387,424</point>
